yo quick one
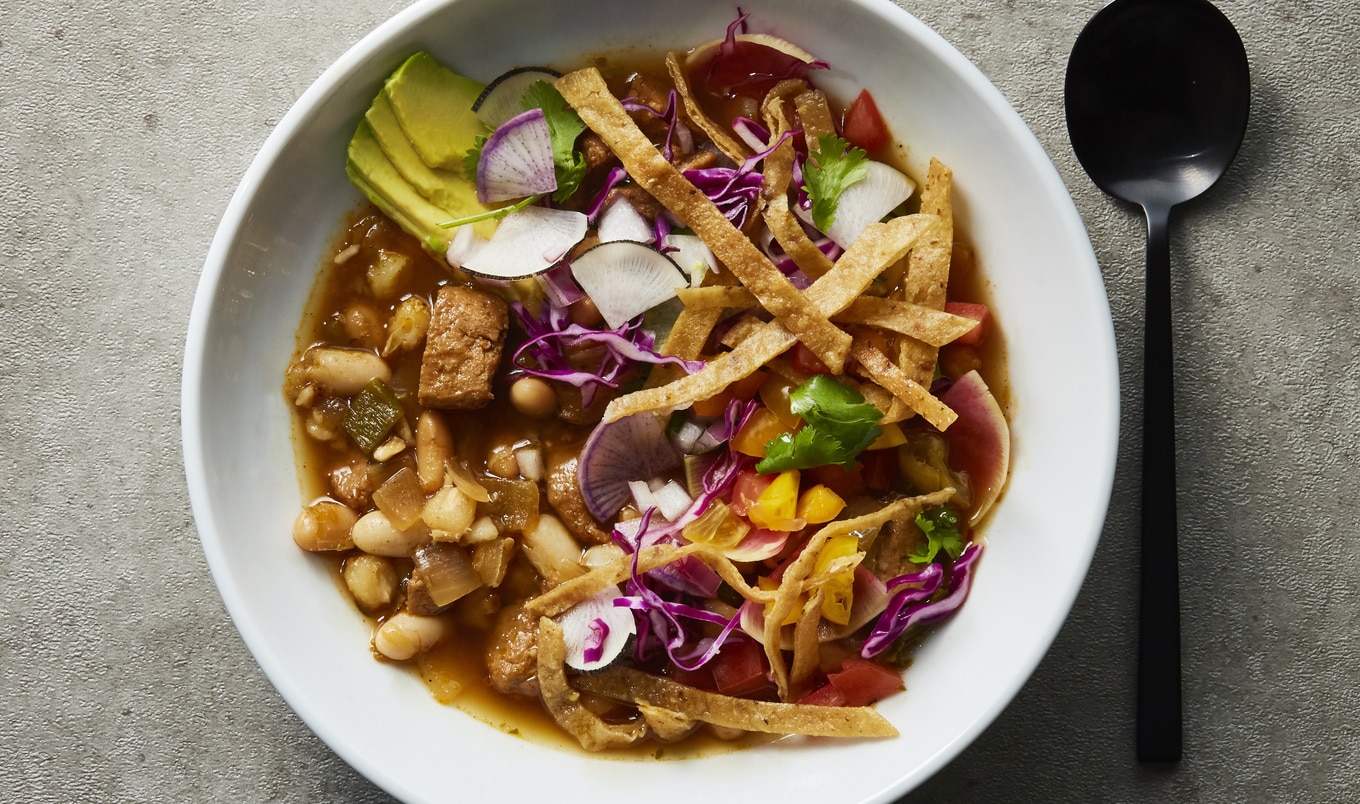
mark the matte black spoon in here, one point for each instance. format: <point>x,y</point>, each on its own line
<point>1157,97</point>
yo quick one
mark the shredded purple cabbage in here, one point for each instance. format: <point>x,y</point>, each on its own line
<point>911,605</point>
<point>672,117</point>
<point>752,133</point>
<point>615,175</point>
<point>746,81</point>
<point>551,335</point>
<point>734,190</point>
<point>594,645</point>
<point>559,286</point>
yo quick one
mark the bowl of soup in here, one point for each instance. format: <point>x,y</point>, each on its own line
<point>328,304</point>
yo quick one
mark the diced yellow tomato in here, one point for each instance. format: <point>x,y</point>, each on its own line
<point>839,588</point>
<point>715,405</point>
<point>777,506</point>
<point>819,504</point>
<point>892,437</point>
<point>718,526</point>
<point>775,394</point>
<point>762,428</point>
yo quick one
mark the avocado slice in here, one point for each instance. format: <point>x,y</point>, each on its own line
<point>373,173</point>
<point>444,188</point>
<point>433,105</point>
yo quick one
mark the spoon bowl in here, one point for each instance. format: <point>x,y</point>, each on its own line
<point>1157,98</point>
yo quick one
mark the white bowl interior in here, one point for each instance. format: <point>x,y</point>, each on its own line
<point>1048,298</point>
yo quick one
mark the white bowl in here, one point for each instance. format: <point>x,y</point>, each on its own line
<point>1048,297</point>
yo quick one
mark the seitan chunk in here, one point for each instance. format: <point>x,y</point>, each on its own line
<point>512,652</point>
<point>462,349</point>
<point>564,494</point>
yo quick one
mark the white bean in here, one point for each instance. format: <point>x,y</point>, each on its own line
<point>403,635</point>
<point>344,371</point>
<point>434,447</point>
<point>324,525</point>
<point>375,534</point>
<point>550,547</point>
<point>450,510</point>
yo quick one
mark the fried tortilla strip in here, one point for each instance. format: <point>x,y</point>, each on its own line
<point>630,685</point>
<point>726,143</point>
<point>888,375</point>
<point>778,172</point>
<point>744,327</point>
<point>588,94</point>
<point>881,244</point>
<point>934,327</point>
<point>815,113</point>
<point>563,702</point>
<point>668,726</point>
<point>928,270</point>
<point>569,593</point>
<point>806,651</point>
<point>686,341</point>
<point>791,585</point>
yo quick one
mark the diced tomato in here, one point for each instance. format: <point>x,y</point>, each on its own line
<point>740,668</point>
<point>846,483</point>
<point>806,361</point>
<point>864,126</point>
<point>977,312</point>
<point>747,388</point>
<point>825,695</point>
<point>701,678</point>
<point>715,405</point>
<point>862,682</point>
<point>747,488</point>
<point>880,469</point>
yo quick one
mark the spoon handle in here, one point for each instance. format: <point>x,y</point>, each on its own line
<point>1159,629</point>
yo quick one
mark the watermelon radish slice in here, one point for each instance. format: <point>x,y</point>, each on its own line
<point>517,160</point>
<point>503,98</point>
<point>597,632</point>
<point>632,448</point>
<point>979,441</point>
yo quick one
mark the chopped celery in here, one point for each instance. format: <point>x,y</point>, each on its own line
<point>373,412</point>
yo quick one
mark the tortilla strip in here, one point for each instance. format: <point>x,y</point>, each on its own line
<point>791,584</point>
<point>586,91</point>
<point>564,704</point>
<point>928,270</point>
<point>887,374</point>
<point>668,726</point>
<point>628,684</point>
<point>778,172</point>
<point>933,327</point>
<point>806,653</point>
<point>741,330</point>
<point>568,593</point>
<point>815,113</point>
<point>880,245</point>
<point>686,341</point>
<point>726,143</point>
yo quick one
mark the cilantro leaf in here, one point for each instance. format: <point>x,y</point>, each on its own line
<point>840,424</point>
<point>941,527</point>
<point>830,169</point>
<point>473,156</point>
<point>564,126</point>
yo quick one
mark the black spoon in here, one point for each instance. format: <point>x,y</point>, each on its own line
<point>1157,96</point>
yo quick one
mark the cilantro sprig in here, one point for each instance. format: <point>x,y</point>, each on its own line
<point>840,424</point>
<point>941,527</point>
<point>564,126</point>
<point>830,169</point>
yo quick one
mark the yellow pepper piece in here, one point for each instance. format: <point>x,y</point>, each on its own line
<point>819,504</point>
<point>718,526</point>
<point>840,587</point>
<point>762,428</point>
<point>777,506</point>
<point>892,437</point>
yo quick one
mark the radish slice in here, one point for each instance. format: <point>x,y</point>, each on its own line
<point>626,279</point>
<point>867,201</point>
<point>869,599</point>
<point>465,245</point>
<point>701,53</point>
<point>621,221</point>
<point>503,98</point>
<point>527,242</point>
<point>979,440</point>
<point>619,451</point>
<point>693,256</point>
<point>597,632</point>
<point>517,160</point>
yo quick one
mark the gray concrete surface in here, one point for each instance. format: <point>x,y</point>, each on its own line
<point>125,126</point>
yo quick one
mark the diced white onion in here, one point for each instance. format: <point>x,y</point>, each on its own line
<point>673,500</point>
<point>530,460</point>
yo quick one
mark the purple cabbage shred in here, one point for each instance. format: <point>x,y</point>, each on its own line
<point>911,604</point>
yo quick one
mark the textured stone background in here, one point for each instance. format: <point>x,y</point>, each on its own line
<point>125,126</point>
